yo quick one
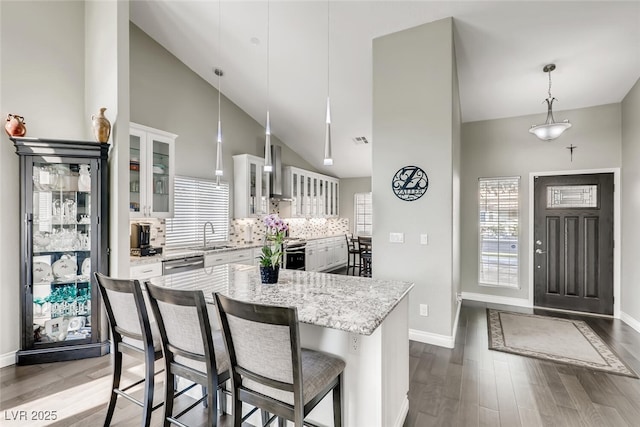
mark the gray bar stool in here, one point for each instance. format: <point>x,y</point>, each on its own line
<point>269,369</point>
<point>134,335</point>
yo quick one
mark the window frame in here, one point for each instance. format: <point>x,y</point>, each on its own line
<point>192,224</point>
<point>500,225</point>
<point>356,223</point>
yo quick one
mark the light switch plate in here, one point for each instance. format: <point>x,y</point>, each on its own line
<point>396,237</point>
<point>424,239</point>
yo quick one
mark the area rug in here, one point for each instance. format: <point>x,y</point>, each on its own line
<point>551,338</point>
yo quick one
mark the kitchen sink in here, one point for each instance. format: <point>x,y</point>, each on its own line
<point>211,247</point>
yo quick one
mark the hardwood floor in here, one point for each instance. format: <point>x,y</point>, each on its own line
<point>469,385</point>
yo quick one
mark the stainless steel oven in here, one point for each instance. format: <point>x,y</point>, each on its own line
<point>294,257</point>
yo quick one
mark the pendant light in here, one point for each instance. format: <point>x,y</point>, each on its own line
<point>550,129</point>
<point>268,167</point>
<point>328,159</point>
<point>218,72</point>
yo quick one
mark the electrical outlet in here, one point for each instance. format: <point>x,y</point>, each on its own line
<point>424,310</point>
<point>459,297</point>
<point>424,239</point>
<point>354,342</point>
<point>396,237</point>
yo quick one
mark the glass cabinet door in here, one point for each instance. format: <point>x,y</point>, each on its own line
<point>295,208</point>
<point>253,187</point>
<point>160,182</point>
<point>60,243</point>
<point>135,153</point>
<point>264,192</point>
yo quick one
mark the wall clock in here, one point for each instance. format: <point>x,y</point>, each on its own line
<point>410,183</point>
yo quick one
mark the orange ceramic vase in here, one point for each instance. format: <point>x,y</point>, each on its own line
<point>15,125</point>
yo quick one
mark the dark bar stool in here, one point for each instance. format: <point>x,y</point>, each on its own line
<point>134,335</point>
<point>192,349</point>
<point>353,254</point>
<point>364,247</point>
<point>269,369</point>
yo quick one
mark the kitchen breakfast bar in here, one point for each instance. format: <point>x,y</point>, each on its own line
<point>363,321</point>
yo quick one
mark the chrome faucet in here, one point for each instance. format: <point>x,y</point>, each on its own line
<point>204,233</point>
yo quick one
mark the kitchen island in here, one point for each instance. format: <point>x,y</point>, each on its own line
<point>364,321</point>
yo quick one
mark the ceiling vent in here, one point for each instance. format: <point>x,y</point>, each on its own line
<point>360,140</point>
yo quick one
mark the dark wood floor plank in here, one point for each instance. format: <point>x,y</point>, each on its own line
<point>529,417</point>
<point>611,416</point>
<point>558,391</point>
<point>487,393</point>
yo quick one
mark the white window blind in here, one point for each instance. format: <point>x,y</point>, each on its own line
<point>499,230</point>
<point>197,201</point>
<point>363,212</point>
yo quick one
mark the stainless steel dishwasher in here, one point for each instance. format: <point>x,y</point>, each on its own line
<point>180,265</point>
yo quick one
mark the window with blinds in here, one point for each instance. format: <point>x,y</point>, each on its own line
<point>197,201</point>
<point>363,214</point>
<point>499,230</point>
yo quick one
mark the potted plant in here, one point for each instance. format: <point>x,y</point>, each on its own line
<point>271,255</point>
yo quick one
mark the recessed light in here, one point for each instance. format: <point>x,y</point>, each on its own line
<point>255,41</point>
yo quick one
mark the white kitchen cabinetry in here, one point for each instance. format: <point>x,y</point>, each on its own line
<point>250,186</point>
<point>216,258</point>
<point>313,195</point>
<point>145,271</point>
<point>151,172</point>
<point>326,254</point>
<point>242,256</point>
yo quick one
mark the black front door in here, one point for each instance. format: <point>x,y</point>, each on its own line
<point>573,242</point>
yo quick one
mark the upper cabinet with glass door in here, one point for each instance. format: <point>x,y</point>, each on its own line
<point>312,195</point>
<point>250,186</point>
<point>151,172</point>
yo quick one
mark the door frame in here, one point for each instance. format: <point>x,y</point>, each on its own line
<point>616,229</point>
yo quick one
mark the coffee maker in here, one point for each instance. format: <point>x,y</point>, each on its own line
<point>141,240</point>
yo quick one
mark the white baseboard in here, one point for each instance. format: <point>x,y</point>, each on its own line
<point>7,359</point>
<point>447,341</point>
<point>494,299</point>
<point>404,410</point>
<point>635,324</point>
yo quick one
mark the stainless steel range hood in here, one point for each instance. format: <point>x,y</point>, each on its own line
<point>276,177</point>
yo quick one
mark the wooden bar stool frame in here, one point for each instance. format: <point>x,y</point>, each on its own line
<point>147,353</point>
<point>211,380</point>
<point>280,316</point>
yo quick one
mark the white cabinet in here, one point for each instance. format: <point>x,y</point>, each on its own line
<point>145,271</point>
<point>326,254</point>
<point>216,258</point>
<point>313,195</point>
<point>242,256</point>
<point>250,187</point>
<point>151,172</point>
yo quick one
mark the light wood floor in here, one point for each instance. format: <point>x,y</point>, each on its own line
<point>465,386</point>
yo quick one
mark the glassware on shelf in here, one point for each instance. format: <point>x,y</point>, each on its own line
<point>84,179</point>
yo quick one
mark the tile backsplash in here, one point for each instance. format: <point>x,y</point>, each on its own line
<point>252,230</point>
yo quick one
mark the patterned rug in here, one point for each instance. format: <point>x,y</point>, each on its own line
<point>560,340</point>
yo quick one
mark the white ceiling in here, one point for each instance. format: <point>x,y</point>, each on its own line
<point>501,47</point>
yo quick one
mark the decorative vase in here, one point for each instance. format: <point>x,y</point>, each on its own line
<point>84,180</point>
<point>269,274</point>
<point>101,126</point>
<point>15,125</point>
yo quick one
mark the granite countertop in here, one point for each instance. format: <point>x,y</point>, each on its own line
<point>347,303</point>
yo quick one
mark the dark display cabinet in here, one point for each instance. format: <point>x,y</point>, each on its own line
<point>64,235</point>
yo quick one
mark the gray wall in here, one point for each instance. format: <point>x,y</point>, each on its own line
<point>41,78</point>
<point>167,95</point>
<point>349,187</point>
<point>505,148</point>
<point>413,120</point>
<point>631,203</point>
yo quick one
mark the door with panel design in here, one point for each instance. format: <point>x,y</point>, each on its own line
<point>573,242</point>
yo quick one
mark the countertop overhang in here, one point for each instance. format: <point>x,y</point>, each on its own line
<point>347,303</point>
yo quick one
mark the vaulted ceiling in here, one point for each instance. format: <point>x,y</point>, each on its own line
<point>501,48</point>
